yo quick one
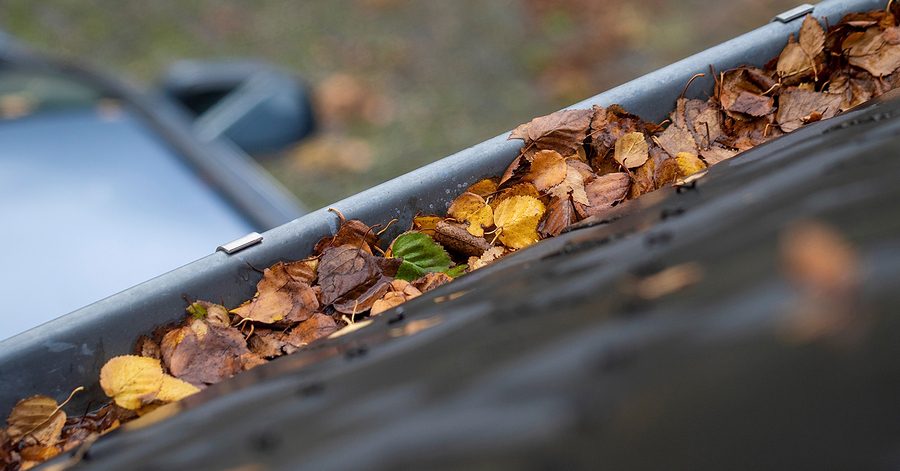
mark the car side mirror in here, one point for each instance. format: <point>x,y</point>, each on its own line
<point>259,107</point>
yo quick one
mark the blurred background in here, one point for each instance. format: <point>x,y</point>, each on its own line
<point>396,83</point>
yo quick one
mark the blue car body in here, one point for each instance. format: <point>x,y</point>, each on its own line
<point>103,187</point>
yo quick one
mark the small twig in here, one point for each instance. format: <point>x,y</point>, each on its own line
<point>378,234</point>
<point>496,235</point>
<point>339,214</point>
<point>772,88</point>
<point>353,313</point>
<point>708,137</point>
<point>87,409</point>
<point>688,84</point>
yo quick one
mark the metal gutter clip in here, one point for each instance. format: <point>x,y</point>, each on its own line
<point>794,13</point>
<point>237,245</point>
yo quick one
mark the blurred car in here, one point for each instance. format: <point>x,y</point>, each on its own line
<point>103,186</point>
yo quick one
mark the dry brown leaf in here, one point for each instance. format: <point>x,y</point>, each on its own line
<point>283,294</point>
<point>346,271</point>
<point>876,51</point>
<point>548,169</point>
<point>716,154</point>
<point>632,150</point>
<point>251,360</point>
<point>455,238</point>
<point>38,453</point>
<point>390,300</point>
<point>573,185</point>
<point>812,37</point>
<point>472,209</point>
<point>316,327</point>
<point>797,107</point>
<point>200,353</point>
<point>352,232</point>
<point>361,296</point>
<point>431,281</point>
<point>701,118</point>
<point>563,131</point>
<point>268,343</point>
<point>147,347</point>
<point>131,381</point>
<point>560,214</point>
<point>799,57</point>
<point>607,127</point>
<point>603,192</point>
<point>213,313</point>
<point>488,257</point>
<point>643,177</point>
<point>741,93</point>
<point>676,139</point>
<point>400,292</point>
<point>517,218</point>
<point>38,417</point>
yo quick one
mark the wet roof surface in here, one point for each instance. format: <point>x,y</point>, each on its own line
<point>550,358</point>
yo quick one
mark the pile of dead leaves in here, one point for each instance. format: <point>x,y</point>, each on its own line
<point>574,164</point>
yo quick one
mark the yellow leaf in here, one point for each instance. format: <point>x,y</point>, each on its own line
<point>632,150</point>
<point>519,189</point>
<point>473,209</point>
<point>682,166</point>
<point>38,416</point>
<point>517,218</point>
<point>426,224</point>
<point>174,389</point>
<point>131,381</point>
<point>483,188</point>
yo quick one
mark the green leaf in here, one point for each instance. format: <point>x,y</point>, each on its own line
<point>457,270</point>
<point>198,310</point>
<point>420,254</point>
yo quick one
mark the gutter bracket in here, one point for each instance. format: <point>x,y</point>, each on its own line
<point>794,13</point>
<point>237,245</point>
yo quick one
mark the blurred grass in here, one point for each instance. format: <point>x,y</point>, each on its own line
<point>399,83</point>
